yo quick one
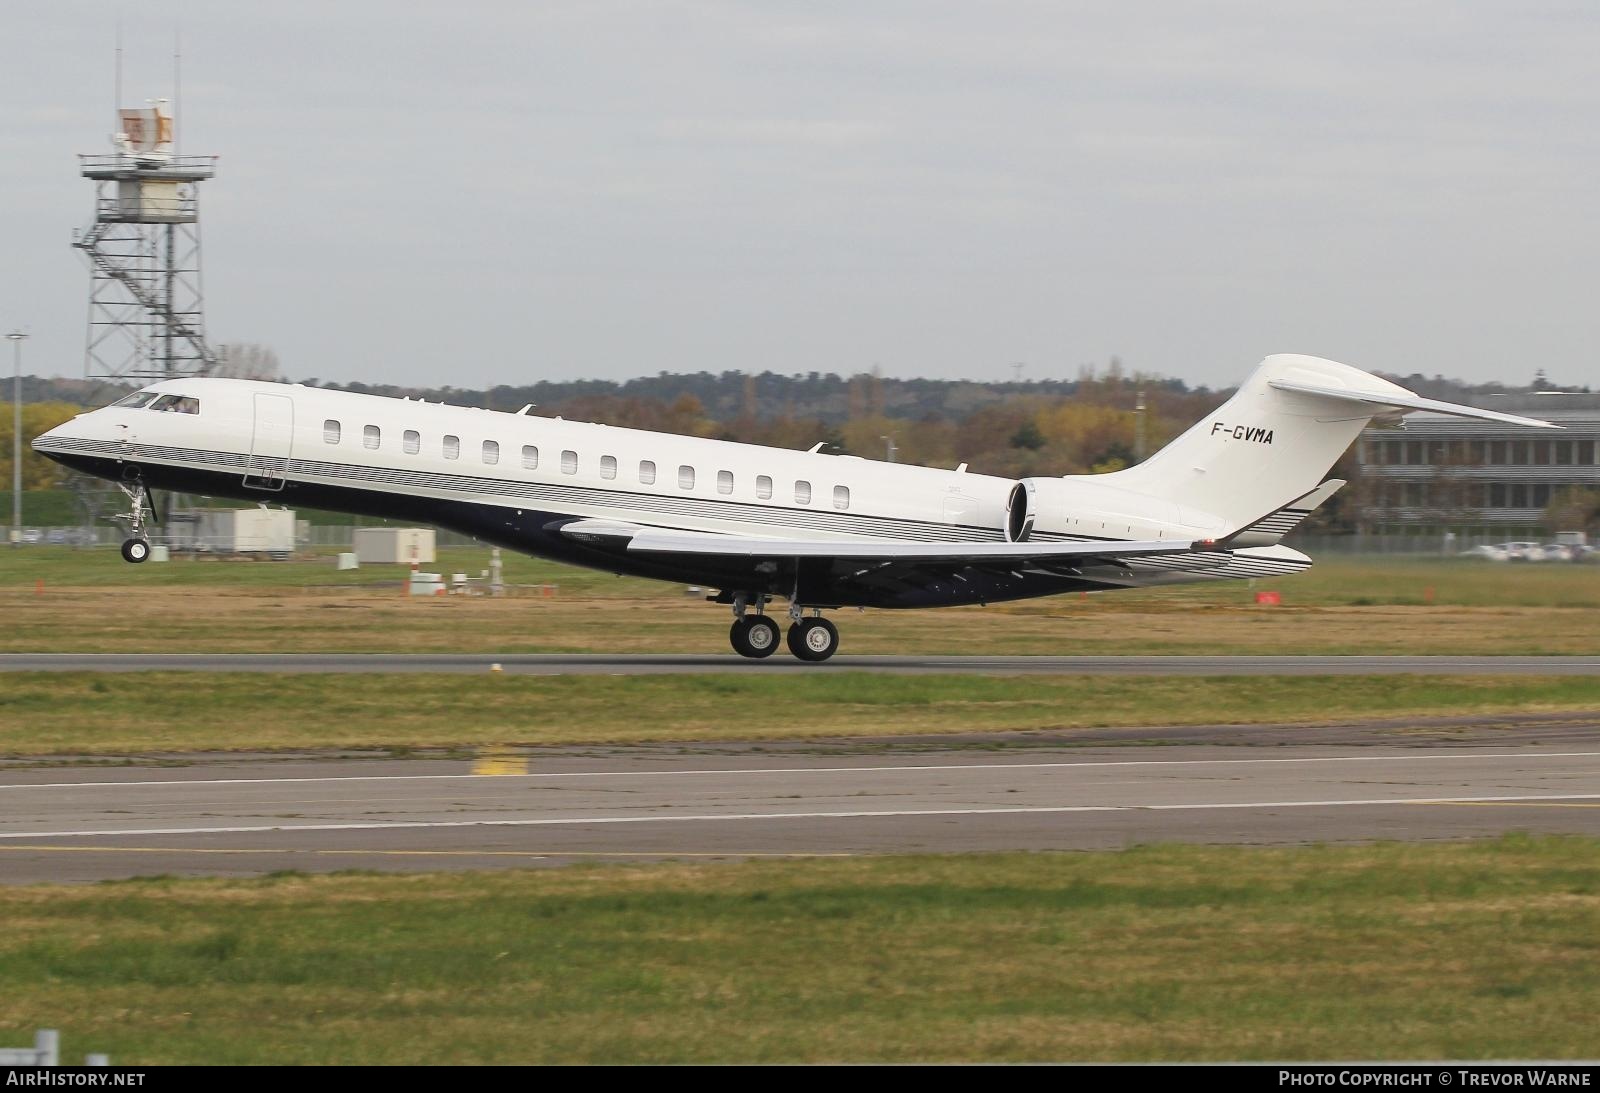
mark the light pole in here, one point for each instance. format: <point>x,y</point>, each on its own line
<point>15,338</point>
<point>1138,428</point>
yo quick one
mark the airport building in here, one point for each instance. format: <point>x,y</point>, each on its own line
<point>1479,479</point>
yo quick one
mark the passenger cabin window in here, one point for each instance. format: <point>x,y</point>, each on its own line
<point>802,493</point>
<point>647,472</point>
<point>452,447</point>
<point>371,437</point>
<point>841,497</point>
<point>330,431</point>
<point>530,457</point>
<point>411,441</point>
<point>569,462</point>
<point>608,466</point>
<point>491,452</point>
<point>763,487</point>
<point>686,477</point>
<point>724,481</point>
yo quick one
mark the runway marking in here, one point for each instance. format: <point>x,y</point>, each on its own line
<point>578,821</point>
<point>53,849</point>
<point>499,763</point>
<point>1503,804</point>
<point>814,770</point>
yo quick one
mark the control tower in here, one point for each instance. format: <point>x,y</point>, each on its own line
<point>146,317</point>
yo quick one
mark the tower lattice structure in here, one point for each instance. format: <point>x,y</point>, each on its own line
<point>146,304</point>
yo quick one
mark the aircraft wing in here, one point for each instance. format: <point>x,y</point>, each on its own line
<point>662,541</point>
<point>1272,527</point>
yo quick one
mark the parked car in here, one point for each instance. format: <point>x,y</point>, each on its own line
<point>1562,552</point>
<point>1523,552</point>
<point>1486,551</point>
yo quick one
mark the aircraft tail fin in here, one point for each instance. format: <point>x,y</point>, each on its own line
<point>1268,447</point>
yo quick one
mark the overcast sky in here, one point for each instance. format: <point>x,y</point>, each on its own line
<point>498,192</point>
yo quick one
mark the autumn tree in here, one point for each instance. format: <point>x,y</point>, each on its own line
<point>38,473</point>
<point>1576,508</point>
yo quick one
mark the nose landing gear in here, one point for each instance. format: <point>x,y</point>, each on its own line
<point>136,548</point>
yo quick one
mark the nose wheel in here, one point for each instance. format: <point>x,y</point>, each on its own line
<point>136,548</point>
<point>814,639</point>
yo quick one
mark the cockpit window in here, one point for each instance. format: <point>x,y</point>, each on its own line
<point>136,400</point>
<point>176,404</point>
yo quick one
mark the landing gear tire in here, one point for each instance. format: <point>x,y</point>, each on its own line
<point>814,639</point>
<point>755,636</point>
<point>135,550</point>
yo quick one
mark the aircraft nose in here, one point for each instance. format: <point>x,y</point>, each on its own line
<point>47,438</point>
<point>68,431</point>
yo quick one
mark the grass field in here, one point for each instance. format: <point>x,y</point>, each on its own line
<point>89,714</point>
<point>61,600</point>
<point>1466,951</point>
<point>1335,580</point>
<point>43,508</point>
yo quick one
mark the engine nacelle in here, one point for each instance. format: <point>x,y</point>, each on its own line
<point>1081,506</point>
<point>1022,508</point>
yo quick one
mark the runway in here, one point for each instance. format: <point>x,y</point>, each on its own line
<point>548,807</point>
<point>666,664</point>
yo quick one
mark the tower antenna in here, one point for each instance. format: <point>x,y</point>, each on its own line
<point>177,85</point>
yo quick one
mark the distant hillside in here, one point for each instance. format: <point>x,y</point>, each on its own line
<point>822,396</point>
<point>725,396</point>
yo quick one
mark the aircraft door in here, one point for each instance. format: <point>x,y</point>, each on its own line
<point>271,442</point>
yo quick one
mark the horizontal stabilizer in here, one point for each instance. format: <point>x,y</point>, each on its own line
<point>1407,403</point>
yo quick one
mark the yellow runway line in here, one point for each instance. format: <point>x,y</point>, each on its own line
<point>491,762</point>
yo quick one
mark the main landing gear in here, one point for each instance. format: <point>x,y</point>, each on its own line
<point>136,548</point>
<point>813,639</point>
<point>755,636</point>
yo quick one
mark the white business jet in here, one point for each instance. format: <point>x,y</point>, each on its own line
<point>818,530</point>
